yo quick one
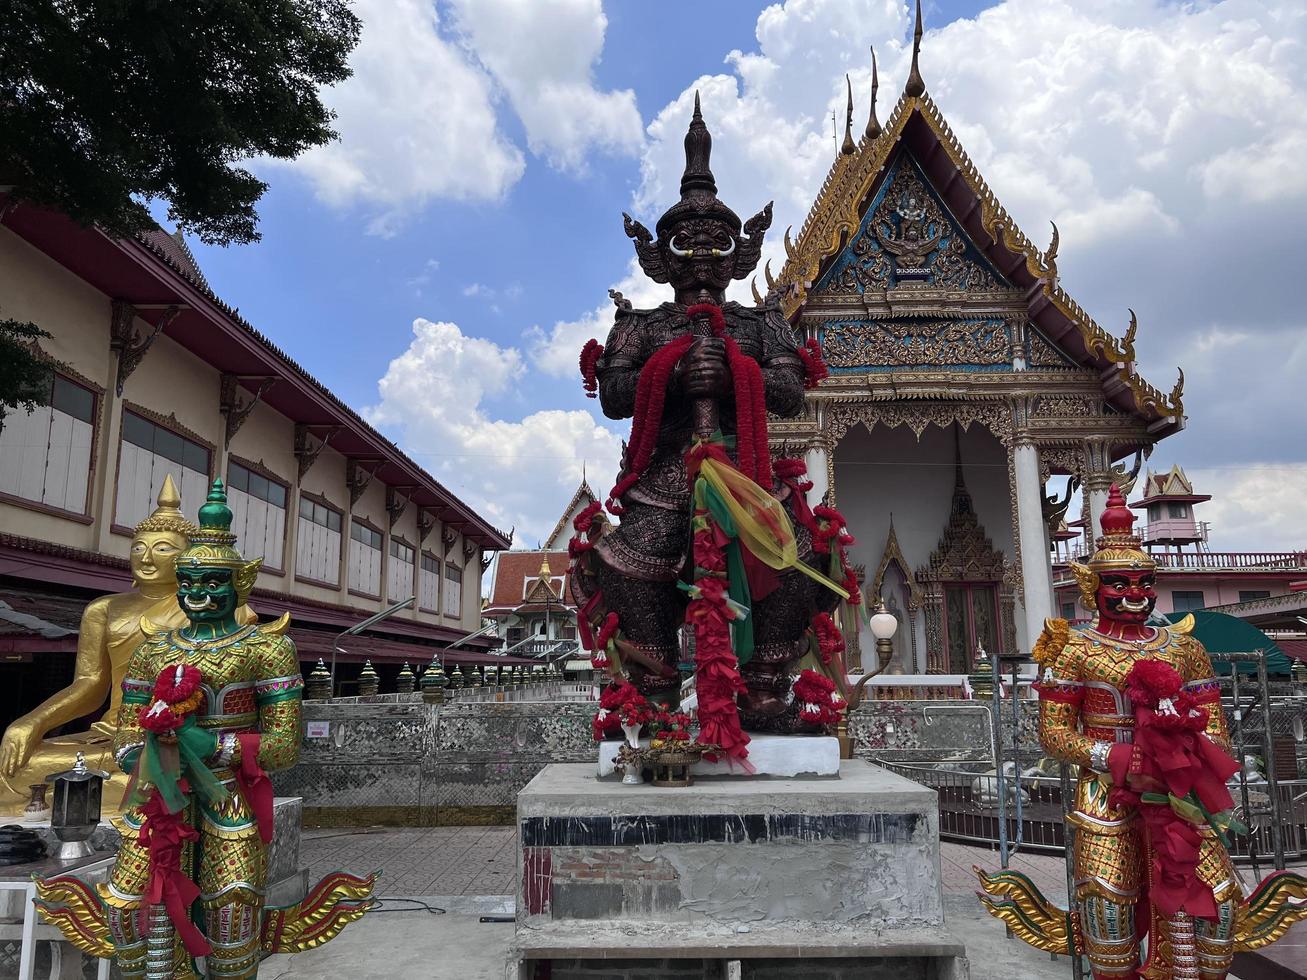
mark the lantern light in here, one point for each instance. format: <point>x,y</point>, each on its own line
<point>76,810</point>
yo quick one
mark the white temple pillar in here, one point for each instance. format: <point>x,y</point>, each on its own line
<point>1036,569</point>
<point>1098,480</point>
<point>815,458</point>
<point>1097,504</point>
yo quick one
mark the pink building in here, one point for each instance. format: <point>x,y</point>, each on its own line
<point>1189,575</point>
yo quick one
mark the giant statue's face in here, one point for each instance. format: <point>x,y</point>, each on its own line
<point>700,254</point>
<point>154,556</point>
<point>1126,596</point>
<point>206,595</point>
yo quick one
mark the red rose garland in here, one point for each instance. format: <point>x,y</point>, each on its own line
<point>176,694</point>
<point>1183,773</point>
<point>611,702</point>
<point>590,354</point>
<point>814,365</point>
<point>830,641</point>
<point>716,669</point>
<point>820,704</point>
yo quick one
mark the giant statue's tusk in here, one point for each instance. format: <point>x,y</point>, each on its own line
<point>717,252</point>
<point>685,253</point>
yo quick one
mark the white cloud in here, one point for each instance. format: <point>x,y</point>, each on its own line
<point>515,472</point>
<point>1253,508</point>
<point>542,52</point>
<point>555,353</point>
<point>1165,140</point>
<point>416,122</point>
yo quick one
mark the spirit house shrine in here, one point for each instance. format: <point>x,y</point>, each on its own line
<point>962,377</point>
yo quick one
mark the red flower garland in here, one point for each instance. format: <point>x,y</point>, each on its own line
<point>608,719</point>
<point>819,702</point>
<point>814,364</point>
<point>830,642</point>
<point>650,394</point>
<point>717,672</point>
<point>1176,776</point>
<point>590,354</point>
<point>599,650</point>
<point>176,694</point>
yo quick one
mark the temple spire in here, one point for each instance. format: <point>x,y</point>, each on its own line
<point>873,124</point>
<point>849,146</point>
<point>915,86</point>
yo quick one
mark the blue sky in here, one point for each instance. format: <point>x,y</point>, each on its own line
<point>488,148</point>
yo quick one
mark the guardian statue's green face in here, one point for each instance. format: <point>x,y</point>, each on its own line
<point>207,595</point>
<point>213,580</point>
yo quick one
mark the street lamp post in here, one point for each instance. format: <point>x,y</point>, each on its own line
<point>883,626</point>
<point>358,628</point>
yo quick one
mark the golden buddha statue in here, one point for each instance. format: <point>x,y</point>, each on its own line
<point>109,634</point>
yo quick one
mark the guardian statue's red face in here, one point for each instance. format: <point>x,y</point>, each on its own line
<point>1126,596</point>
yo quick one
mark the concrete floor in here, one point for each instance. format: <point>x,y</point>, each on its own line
<point>471,871</point>
<point>419,945</point>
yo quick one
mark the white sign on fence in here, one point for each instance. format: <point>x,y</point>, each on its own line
<point>319,729</point>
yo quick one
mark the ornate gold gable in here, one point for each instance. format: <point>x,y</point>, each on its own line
<point>894,556</point>
<point>837,215</point>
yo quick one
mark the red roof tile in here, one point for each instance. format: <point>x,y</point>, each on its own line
<point>516,570</point>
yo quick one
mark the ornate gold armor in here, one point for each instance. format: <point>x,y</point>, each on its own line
<point>1083,712</point>
<point>251,684</point>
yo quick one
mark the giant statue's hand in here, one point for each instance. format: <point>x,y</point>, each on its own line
<point>703,370</point>
<point>16,748</point>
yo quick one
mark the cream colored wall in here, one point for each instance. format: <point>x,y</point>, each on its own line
<point>326,479</point>
<point>371,507</point>
<point>36,289</point>
<point>267,437</point>
<point>405,528</point>
<point>175,384</point>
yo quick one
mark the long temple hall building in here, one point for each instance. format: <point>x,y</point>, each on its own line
<point>962,377</point>
<point>154,376</point>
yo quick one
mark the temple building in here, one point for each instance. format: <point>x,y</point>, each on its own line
<point>962,377</point>
<point>154,375</point>
<point>533,609</point>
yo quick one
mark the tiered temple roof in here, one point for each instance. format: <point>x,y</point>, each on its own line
<point>917,127</point>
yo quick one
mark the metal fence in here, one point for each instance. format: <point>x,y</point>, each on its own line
<point>969,812</point>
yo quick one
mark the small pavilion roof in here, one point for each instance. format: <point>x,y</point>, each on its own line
<point>1173,487</point>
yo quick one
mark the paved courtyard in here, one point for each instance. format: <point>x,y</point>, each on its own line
<point>466,872</point>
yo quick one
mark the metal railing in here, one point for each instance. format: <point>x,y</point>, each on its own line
<point>969,812</point>
<point>1218,560</point>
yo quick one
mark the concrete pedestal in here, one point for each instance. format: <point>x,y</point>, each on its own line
<point>746,878</point>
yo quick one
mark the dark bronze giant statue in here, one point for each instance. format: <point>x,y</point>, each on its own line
<point>641,568</point>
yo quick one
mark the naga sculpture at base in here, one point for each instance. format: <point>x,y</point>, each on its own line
<point>698,490</point>
<point>1137,708</point>
<point>206,711</point>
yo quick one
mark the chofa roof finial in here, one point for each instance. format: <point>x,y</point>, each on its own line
<point>915,86</point>
<point>873,124</point>
<point>849,146</point>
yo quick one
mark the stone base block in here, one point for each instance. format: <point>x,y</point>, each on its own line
<point>750,872</point>
<point>785,756</point>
